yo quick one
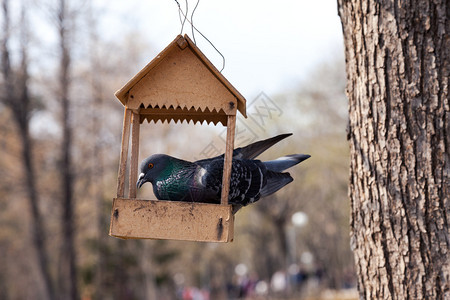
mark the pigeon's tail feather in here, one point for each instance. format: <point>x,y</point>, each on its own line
<point>275,181</point>
<point>253,150</point>
<point>285,162</point>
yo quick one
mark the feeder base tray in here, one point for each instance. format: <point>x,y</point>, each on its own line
<point>154,219</point>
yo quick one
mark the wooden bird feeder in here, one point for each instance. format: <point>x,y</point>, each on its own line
<point>179,84</point>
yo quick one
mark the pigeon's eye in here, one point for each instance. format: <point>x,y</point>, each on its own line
<point>150,165</point>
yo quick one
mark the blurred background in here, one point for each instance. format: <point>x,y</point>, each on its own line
<point>62,61</point>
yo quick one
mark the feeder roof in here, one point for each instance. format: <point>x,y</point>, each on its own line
<point>179,84</point>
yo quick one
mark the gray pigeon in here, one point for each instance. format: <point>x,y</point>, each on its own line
<point>201,181</point>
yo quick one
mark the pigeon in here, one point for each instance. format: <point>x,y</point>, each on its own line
<point>201,181</point>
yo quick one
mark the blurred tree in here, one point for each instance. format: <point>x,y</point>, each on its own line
<point>398,64</point>
<point>68,268</point>
<point>320,183</point>
<point>324,105</point>
<point>278,209</point>
<point>109,268</point>
<point>97,165</point>
<point>16,96</point>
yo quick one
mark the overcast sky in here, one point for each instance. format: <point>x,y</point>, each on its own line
<point>268,45</point>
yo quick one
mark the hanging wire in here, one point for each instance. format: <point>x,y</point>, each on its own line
<point>192,21</point>
<point>180,12</point>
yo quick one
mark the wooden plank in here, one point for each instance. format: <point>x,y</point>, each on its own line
<point>185,47</point>
<point>181,114</point>
<point>178,111</point>
<point>134,154</point>
<point>124,153</point>
<point>241,102</point>
<point>215,119</point>
<point>182,79</point>
<point>153,219</point>
<point>228,159</point>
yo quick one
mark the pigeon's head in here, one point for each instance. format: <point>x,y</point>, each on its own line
<point>152,167</point>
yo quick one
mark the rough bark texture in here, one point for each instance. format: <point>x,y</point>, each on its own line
<point>397,56</point>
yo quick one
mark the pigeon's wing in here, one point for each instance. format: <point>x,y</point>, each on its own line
<point>250,151</point>
<point>211,177</point>
<point>247,179</point>
<point>253,150</point>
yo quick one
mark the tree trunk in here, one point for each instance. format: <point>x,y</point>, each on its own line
<point>68,264</point>
<point>397,55</point>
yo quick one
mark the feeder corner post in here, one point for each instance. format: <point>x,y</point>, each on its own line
<point>134,159</point>
<point>124,153</point>
<point>227,165</point>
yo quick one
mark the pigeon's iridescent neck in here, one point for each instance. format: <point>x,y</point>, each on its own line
<point>173,183</point>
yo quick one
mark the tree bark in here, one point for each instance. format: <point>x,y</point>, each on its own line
<point>397,62</point>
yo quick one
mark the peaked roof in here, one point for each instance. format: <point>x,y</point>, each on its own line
<point>179,84</point>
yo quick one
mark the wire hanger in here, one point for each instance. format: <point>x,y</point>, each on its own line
<point>193,28</point>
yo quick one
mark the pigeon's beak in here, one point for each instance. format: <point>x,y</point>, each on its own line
<point>141,180</point>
